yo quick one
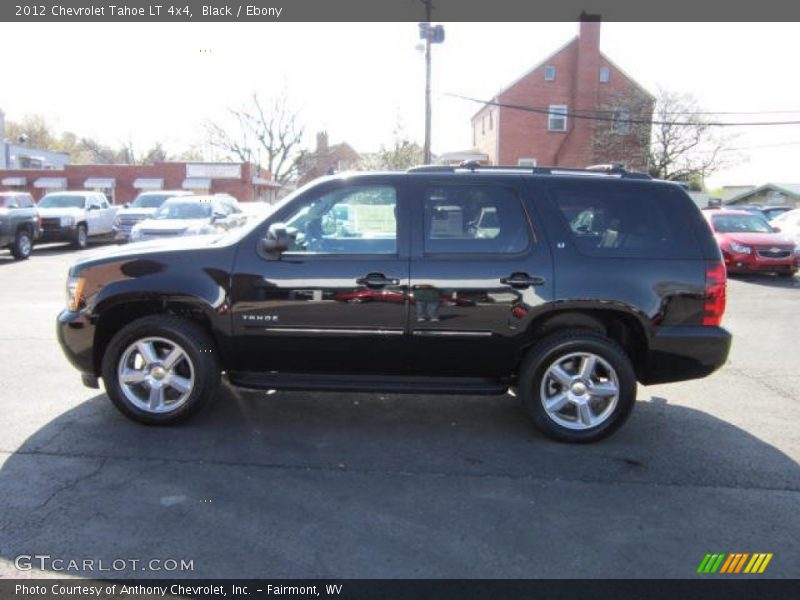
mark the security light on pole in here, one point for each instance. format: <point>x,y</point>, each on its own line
<point>432,34</point>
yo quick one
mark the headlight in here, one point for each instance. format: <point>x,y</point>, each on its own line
<point>740,248</point>
<point>67,221</point>
<point>797,250</point>
<point>75,292</point>
<point>116,222</point>
<point>136,234</point>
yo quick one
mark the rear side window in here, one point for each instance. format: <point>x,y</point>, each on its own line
<point>474,219</point>
<point>616,219</point>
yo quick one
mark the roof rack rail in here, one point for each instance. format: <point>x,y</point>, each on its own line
<point>614,170</point>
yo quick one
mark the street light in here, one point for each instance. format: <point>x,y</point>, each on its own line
<point>432,34</point>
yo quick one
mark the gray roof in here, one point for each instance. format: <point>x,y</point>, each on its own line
<point>790,189</point>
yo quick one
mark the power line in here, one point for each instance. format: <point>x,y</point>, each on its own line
<point>576,115</point>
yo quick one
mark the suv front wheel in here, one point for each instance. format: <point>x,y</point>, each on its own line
<point>577,386</point>
<point>160,370</point>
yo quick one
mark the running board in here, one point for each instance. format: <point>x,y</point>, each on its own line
<point>319,382</point>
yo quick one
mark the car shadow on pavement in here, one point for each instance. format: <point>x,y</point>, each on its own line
<point>55,249</point>
<point>288,483</point>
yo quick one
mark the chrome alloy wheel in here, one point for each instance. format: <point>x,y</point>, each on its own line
<point>25,245</point>
<point>579,390</point>
<point>156,375</point>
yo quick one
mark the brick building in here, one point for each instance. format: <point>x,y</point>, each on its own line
<point>577,79</point>
<point>326,159</point>
<point>121,183</point>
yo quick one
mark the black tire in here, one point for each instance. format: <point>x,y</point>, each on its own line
<point>198,347</point>
<point>786,274</point>
<point>561,345</point>
<point>81,239</point>
<point>23,245</point>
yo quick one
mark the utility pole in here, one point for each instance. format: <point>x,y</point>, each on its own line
<point>431,35</point>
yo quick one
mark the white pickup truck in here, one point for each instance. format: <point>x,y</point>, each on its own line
<point>76,217</point>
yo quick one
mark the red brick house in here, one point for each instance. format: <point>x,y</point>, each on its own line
<point>326,159</point>
<point>575,80</point>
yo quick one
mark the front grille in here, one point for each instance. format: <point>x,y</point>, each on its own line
<point>51,223</point>
<point>774,252</point>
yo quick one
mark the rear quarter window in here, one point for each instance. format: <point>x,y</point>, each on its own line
<point>626,219</point>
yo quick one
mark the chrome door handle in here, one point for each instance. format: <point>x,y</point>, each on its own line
<point>377,280</point>
<point>522,280</point>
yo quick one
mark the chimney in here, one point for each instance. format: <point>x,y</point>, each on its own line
<point>587,74</point>
<point>322,141</point>
<point>589,32</point>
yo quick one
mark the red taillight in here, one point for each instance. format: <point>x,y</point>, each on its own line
<point>714,305</point>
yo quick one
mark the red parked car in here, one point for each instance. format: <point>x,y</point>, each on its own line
<point>750,244</point>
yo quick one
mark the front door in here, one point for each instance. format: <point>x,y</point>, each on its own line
<point>337,299</point>
<point>479,275</point>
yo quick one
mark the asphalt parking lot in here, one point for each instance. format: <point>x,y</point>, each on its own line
<point>370,486</point>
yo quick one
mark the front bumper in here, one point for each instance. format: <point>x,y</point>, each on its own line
<point>58,234</point>
<point>75,333</point>
<point>681,353</point>
<point>754,263</point>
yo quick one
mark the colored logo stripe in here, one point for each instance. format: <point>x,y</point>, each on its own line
<point>734,562</point>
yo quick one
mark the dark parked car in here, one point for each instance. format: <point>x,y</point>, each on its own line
<point>585,283</point>
<point>20,225</point>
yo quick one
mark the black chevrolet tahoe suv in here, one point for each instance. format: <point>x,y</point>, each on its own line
<point>564,287</point>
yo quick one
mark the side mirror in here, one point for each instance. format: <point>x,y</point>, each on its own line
<point>126,205</point>
<point>94,207</point>
<point>276,240</point>
<point>218,216</point>
<point>776,229</point>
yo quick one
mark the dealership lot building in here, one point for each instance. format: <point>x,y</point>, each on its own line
<point>121,183</point>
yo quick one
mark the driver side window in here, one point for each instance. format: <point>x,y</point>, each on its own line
<point>349,220</point>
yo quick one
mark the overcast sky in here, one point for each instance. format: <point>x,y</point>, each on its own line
<point>148,82</point>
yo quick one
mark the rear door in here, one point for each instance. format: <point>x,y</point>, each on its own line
<point>337,300</point>
<point>480,272</point>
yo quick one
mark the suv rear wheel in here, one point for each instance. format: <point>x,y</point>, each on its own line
<point>577,386</point>
<point>160,370</point>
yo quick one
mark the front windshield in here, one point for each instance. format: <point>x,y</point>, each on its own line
<point>741,224</point>
<point>59,201</point>
<point>149,200</point>
<point>183,210</point>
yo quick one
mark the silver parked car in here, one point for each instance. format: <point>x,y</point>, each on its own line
<point>190,215</point>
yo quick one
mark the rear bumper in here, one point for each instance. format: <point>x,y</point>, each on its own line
<point>681,353</point>
<point>76,336</point>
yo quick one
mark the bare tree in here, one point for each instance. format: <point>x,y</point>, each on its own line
<point>685,146</point>
<point>622,132</point>
<point>677,143</point>
<point>266,133</point>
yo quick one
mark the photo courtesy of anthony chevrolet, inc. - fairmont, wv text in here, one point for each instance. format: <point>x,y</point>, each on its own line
<point>392,299</point>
